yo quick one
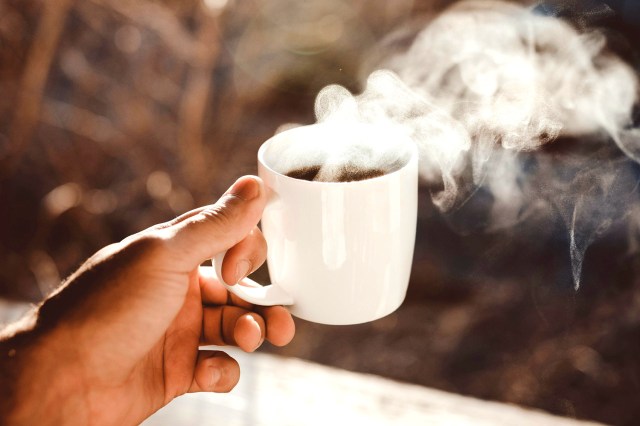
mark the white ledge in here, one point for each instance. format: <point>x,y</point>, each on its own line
<point>286,391</point>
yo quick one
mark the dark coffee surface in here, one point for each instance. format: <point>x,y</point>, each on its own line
<point>306,173</point>
<point>353,174</point>
<point>346,174</point>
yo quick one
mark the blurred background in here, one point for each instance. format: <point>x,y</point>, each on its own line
<point>117,114</point>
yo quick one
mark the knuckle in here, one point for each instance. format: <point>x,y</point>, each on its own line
<point>147,244</point>
<point>222,213</point>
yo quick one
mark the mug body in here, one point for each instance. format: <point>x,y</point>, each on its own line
<point>342,250</point>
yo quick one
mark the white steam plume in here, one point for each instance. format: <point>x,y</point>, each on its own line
<point>486,81</point>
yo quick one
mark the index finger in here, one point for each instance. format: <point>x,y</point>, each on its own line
<point>213,292</point>
<point>217,227</point>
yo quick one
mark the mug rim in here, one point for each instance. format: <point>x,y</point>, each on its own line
<point>412,149</point>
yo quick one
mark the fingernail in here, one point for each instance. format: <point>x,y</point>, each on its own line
<point>215,377</point>
<point>246,189</point>
<point>257,330</point>
<point>242,269</point>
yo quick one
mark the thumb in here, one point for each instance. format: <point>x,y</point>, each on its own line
<point>220,226</point>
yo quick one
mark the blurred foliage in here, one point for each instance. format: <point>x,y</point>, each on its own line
<point>115,115</point>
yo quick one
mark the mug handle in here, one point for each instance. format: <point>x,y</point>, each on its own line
<point>253,292</point>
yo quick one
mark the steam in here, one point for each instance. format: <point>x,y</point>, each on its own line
<point>487,82</point>
<point>333,153</point>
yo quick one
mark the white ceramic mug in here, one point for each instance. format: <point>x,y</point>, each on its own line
<point>338,252</point>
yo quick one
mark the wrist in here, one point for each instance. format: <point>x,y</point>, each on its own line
<point>38,382</point>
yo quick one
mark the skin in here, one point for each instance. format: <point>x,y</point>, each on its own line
<point>120,338</point>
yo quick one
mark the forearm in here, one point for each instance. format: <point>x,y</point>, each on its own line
<point>35,387</point>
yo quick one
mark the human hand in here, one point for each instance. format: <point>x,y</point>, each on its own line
<point>120,339</point>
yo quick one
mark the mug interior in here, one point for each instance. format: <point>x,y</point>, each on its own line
<point>325,143</point>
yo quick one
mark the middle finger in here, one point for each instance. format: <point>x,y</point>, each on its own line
<point>232,325</point>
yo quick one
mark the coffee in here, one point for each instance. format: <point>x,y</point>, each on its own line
<point>305,173</point>
<point>346,174</point>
